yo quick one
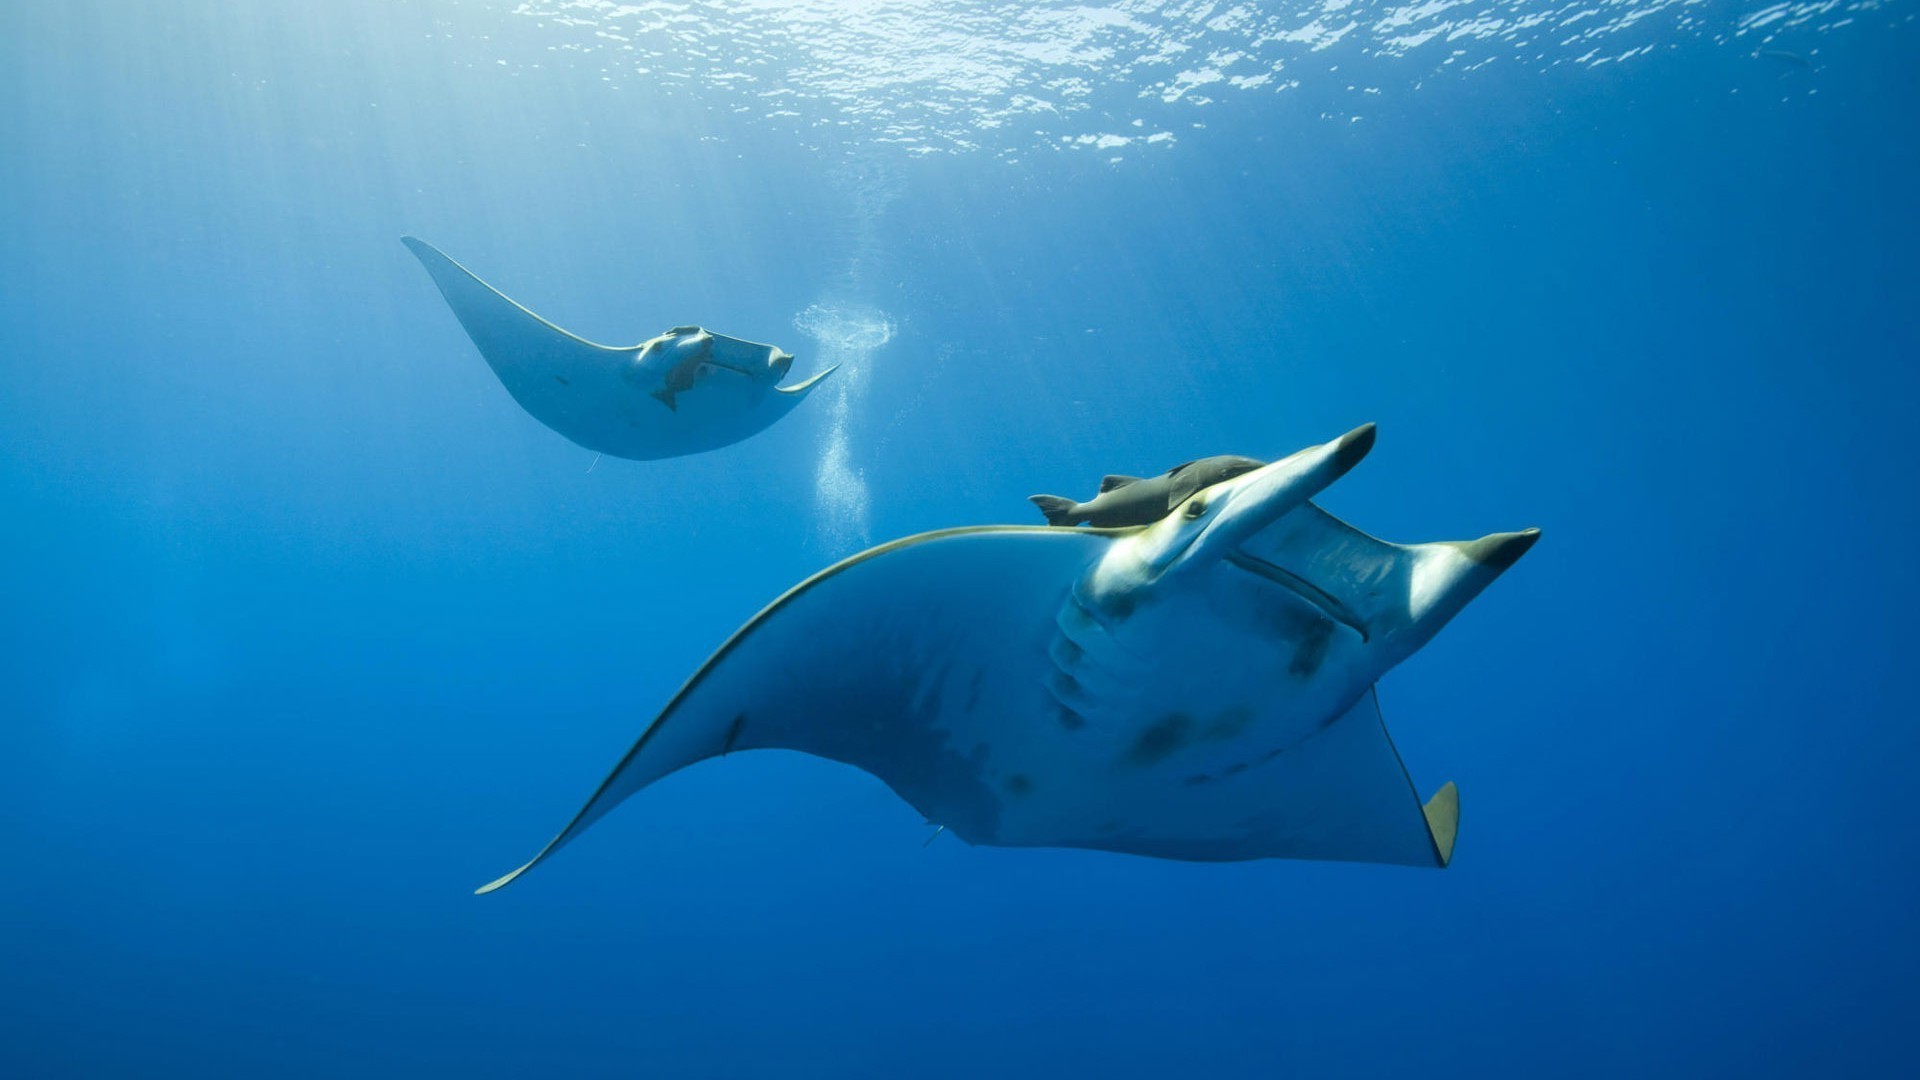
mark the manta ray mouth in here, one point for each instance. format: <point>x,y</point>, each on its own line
<point>1326,602</point>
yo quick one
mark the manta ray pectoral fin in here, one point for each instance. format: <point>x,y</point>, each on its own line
<point>1443,820</point>
<point>514,341</point>
<point>1116,481</point>
<point>855,663</point>
<point>507,879</point>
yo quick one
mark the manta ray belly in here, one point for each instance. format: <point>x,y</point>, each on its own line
<point>715,408</point>
<point>1173,711</point>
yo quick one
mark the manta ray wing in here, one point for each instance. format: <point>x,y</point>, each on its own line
<point>909,661</point>
<point>554,375</point>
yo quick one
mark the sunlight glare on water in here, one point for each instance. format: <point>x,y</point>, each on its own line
<point>927,76</point>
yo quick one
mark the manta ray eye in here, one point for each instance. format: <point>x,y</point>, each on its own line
<point>1195,508</point>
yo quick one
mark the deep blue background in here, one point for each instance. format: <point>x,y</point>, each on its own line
<point>307,629</point>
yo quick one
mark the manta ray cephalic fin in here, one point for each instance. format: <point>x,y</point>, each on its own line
<point>806,384</point>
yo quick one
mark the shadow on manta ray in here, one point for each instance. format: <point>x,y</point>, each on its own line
<point>680,393</point>
<point>1199,688</point>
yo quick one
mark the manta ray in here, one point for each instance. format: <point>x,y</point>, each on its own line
<point>1200,688</point>
<point>682,392</point>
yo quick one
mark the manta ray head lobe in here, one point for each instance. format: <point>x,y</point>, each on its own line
<point>1501,550</point>
<point>1312,650</point>
<point>1353,446</point>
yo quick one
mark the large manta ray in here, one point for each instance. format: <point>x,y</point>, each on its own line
<point>1198,688</point>
<point>680,393</point>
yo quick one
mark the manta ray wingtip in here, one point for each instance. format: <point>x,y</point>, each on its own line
<point>503,881</point>
<point>1443,821</point>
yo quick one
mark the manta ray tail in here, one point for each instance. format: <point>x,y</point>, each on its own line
<point>1059,511</point>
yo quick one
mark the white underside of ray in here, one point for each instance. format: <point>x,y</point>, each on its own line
<point>601,397</point>
<point>872,662</point>
<point>1240,722</point>
<point>1230,719</point>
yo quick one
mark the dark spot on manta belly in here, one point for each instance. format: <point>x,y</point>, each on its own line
<point>1287,622</point>
<point>1197,779</point>
<point>1161,738</point>
<point>1019,784</point>
<point>561,380</point>
<point>1235,769</point>
<point>1312,650</point>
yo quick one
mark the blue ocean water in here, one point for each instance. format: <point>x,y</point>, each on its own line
<point>308,629</point>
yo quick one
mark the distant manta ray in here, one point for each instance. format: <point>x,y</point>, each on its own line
<point>680,393</point>
<point>1198,688</point>
<point>1792,59</point>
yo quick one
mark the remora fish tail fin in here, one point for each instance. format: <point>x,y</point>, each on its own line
<point>1117,480</point>
<point>1059,511</point>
